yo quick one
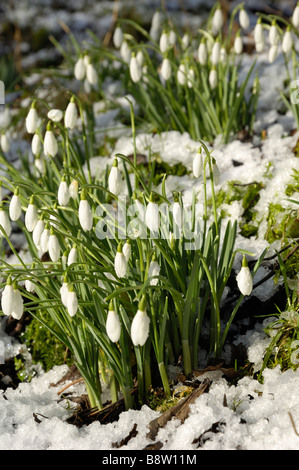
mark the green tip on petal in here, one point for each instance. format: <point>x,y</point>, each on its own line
<point>119,248</point>
<point>9,281</point>
<point>244,262</point>
<point>83,195</point>
<point>111,306</point>
<point>49,126</point>
<point>115,162</point>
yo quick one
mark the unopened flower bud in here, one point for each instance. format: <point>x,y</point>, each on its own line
<point>32,120</point>
<point>85,213</point>
<point>55,115</point>
<point>113,327</point>
<point>80,69</point>
<point>115,179</point>
<point>50,143</point>
<point>31,216</point>
<point>15,206</point>
<point>244,278</point>
<point>71,115</point>
<point>120,263</point>
<point>5,222</point>
<point>140,326</point>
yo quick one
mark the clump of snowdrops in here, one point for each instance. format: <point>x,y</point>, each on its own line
<point>179,81</point>
<point>127,275</point>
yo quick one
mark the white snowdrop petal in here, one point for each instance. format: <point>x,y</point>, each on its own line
<point>135,69</point>
<point>54,248</point>
<point>31,217</point>
<point>85,215</point>
<point>120,264</point>
<point>166,69</point>
<point>37,232</point>
<point>115,181</point>
<point>71,115</point>
<point>244,19</point>
<point>31,121</point>
<point>80,69</point>
<point>63,193</point>
<point>118,37</point>
<point>152,217</point>
<point>113,326</point>
<point>244,280</point>
<point>55,115</point>
<point>154,270</point>
<point>72,256</point>
<point>50,144</point>
<point>72,303</point>
<point>140,328</point>
<point>15,208</point>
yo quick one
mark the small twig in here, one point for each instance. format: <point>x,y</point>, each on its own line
<point>69,385</point>
<point>293,424</point>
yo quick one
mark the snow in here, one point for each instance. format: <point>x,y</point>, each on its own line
<point>253,415</point>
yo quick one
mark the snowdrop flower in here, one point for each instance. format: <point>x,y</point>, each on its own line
<point>177,213</point>
<point>53,246</point>
<point>118,37</point>
<point>198,164</point>
<point>36,145</point>
<point>113,327</point>
<point>185,41</point>
<point>5,222</point>
<point>85,213</point>
<point>295,16</point>
<point>181,74</point>
<point>244,278</point>
<point>140,58</point>
<point>202,53</point>
<point>115,179</point>
<point>152,216</point>
<point>238,45</point>
<point>12,302</point>
<point>273,34</point>
<point>259,37</point>
<point>71,114</point>
<point>125,52</point>
<point>15,206</point>
<point>64,290</point>
<point>31,216</point>
<point>287,41</point>
<point>154,270</point>
<point>5,143</point>
<point>74,189</point>
<point>73,255</point>
<point>50,143</point>
<point>216,173</point>
<point>140,325</point>
<point>120,262</point>
<point>29,286</point>
<point>63,193</point>
<point>37,232</point>
<point>273,51</point>
<point>213,78</point>
<point>172,37</point>
<point>190,77</point>
<point>44,239</point>
<point>55,115</point>
<point>244,19</point>
<point>217,21</point>
<point>215,54</point>
<point>164,42</point>
<point>127,249</point>
<point>91,74</point>
<point>80,69</point>
<point>72,302</point>
<point>135,69</point>
<point>166,69</point>
<point>31,120</point>
<point>223,55</point>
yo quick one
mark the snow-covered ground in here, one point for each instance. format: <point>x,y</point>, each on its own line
<point>250,415</point>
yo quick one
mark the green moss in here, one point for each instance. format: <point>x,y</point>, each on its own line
<point>43,345</point>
